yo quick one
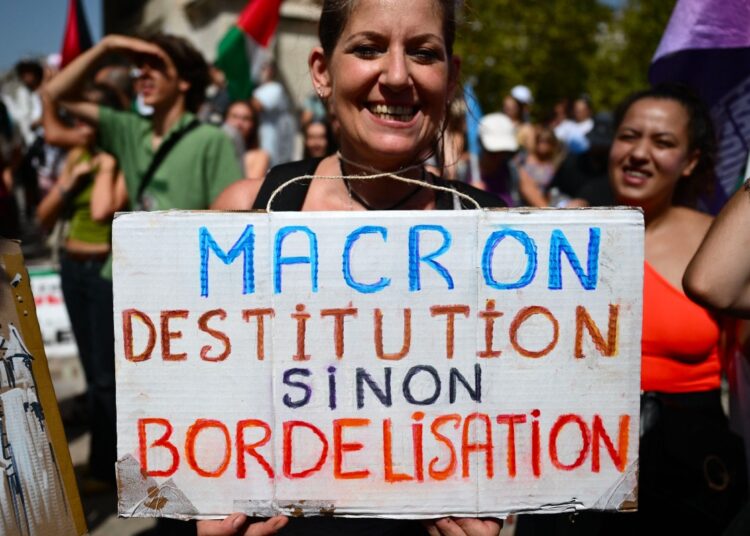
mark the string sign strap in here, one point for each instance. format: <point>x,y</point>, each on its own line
<point>368,178</point>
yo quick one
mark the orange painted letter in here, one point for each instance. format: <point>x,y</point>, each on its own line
<point>167,335</point>
<point>127,334</point>
<point>339,447</point>
<point>249,448</point>
<point>215,333</point>
<point>608,348</point>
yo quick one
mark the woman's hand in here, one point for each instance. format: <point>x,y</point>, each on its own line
<point>241,525</point>
<point>464,526</point>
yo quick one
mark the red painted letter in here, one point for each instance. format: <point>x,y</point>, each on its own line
<point>619,456</point>
<point>468,447</point>
<point>289,427</point>
<point>451,467</point>
<point>163,441</point>
<point>192,435</point>
<point>511,421</point>
<point>555,431</point>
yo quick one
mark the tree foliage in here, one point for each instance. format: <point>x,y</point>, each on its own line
<point>625,52</point>
<point>559,48</point>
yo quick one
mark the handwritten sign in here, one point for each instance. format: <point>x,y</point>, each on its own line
<point>400,364</point>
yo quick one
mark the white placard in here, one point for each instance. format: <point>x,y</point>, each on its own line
<point>392,364</point>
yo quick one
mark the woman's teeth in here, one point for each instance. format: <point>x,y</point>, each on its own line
<point>393,113</point>
<point>635,173</point>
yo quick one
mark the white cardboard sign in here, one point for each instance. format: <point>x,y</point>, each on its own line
<point>398,364</point>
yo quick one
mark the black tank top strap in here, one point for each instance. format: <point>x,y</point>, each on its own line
<point>292,197</point>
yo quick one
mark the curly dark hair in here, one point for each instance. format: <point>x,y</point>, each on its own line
<point>701,138</point>
<point>190,64</point>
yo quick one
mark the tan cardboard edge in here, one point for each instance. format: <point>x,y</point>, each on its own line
<point>28,324</point>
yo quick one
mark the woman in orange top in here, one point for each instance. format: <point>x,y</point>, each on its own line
<point>691,471</point>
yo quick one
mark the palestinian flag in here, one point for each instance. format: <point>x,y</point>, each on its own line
<point>77,36</point>
<point>245,47</point>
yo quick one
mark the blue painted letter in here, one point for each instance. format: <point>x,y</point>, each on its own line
<point>489,250</point>
<point>559,245</point>
<point>311,259</point>
<point>415,256</point>
<point>364,288</point>
<point>245,245</point>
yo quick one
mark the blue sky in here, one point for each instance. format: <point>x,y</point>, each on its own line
<point>34,27</point>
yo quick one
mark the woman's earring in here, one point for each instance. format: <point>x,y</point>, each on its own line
<point>319,91</point>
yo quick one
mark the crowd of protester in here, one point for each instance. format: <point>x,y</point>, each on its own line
<point>137,124</point>
<point>559,162</point>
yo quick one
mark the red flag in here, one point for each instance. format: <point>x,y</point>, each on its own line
<point>77,37</point>
<point>259,19</point>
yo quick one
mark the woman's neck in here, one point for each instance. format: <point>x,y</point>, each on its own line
<point>382,191</point>
<point>656,214</point>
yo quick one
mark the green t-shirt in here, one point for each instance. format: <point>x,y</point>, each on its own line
<point>190,177</point>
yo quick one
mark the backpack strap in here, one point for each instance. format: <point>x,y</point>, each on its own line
<point>161,154</point>
<point>293,196</point>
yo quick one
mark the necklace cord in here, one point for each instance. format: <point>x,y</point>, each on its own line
<point>374,176</point>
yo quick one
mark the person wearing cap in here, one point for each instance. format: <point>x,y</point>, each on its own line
<point>516,106</point>
<point>499,145</point>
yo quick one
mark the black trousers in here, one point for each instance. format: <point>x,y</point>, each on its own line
<point>88,298</point>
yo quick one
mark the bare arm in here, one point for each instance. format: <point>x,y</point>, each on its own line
<point>49,209</point>
<point>57,133</point>
<point>719,274</point>
<point>108,194</point>
<point>65,88</point>
<point>530,190</point>
<point>256,164</point>
<point>238,196</point>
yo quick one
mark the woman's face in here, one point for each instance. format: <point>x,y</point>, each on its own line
<point>388,81</point>
<point>511,108</point>
<point>650,153</point>
<point>316,141</point>
<point>240,116</point>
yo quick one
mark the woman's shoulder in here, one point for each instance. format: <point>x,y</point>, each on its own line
<point>694,221</point>
<point>239,195</point>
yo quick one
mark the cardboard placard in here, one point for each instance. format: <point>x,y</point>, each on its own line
<point>391,364</point>
<point>38,492</point>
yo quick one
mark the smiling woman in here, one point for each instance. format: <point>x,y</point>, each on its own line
<point>386,71</point>
<point>691,470</point>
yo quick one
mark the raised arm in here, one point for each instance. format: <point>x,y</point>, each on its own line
<point>65,88</point>
<point>719,274</point>
<point>59,134</point>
